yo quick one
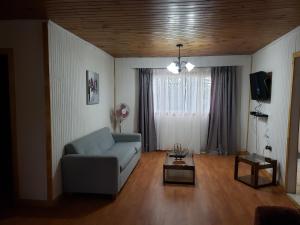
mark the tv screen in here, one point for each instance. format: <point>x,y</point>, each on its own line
<point>260,83</point>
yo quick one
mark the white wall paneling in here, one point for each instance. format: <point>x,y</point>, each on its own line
<point>276,58</point>
<point>69,58</point>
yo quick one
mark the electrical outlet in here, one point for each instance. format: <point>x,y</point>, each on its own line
<point>268,147</point>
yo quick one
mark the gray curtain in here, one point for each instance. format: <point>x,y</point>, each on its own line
<point>222,129</point>
<point>146,110</point>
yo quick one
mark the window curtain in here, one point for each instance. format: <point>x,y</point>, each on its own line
<point>146,123</point>
<point>181,108</point>
<point>223,111</point>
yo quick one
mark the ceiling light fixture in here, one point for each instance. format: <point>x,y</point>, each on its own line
<point>176,66</point>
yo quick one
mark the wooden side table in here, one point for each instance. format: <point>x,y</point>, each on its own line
<point>257,163</point>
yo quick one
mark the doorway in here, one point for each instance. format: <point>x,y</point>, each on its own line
<point>298,166</point>
<point>7,117</point>
<point>293,131</point>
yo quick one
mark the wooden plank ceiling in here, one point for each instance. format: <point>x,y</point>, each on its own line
<point>134,28</point>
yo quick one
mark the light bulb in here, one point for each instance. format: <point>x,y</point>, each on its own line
<point>189,66</point>
<point>173,68</point>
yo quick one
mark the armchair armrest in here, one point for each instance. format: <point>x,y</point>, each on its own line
<point>129,137</point>
<point>274,215</point>
<point>90,174</point>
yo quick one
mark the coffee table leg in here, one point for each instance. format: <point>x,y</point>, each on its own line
<point>255,176</point>
<point>193,176</point>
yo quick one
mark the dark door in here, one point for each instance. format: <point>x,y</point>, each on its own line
<point>6,174</point>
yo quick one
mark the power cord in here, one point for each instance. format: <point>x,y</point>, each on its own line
<point>257,109</point>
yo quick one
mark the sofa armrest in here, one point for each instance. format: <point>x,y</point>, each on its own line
<point>129,137</point>
<point>90,174</point>
<point>275,215</point>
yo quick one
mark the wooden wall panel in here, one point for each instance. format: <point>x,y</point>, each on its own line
<point>153,28</point>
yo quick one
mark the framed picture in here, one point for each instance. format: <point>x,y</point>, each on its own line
<point>92,88</point>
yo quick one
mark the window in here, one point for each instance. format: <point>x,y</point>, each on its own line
<point>181,107</point>
<point>183,93</point>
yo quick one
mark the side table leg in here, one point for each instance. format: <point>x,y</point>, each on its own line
<point>236,167</point>
<point>274,174</point>
<point>252,170</point>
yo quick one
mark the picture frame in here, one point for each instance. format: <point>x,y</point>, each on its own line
<point>92,88</point>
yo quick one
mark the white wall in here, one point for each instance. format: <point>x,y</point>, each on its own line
<point>69,58</point>
<point>276,58</point>
<point>25,37</point>
<point>126,84</point>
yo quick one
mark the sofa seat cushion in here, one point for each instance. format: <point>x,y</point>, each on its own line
<point>124,152</point>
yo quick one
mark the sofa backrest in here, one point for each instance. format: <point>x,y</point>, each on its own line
<point>91,144</point>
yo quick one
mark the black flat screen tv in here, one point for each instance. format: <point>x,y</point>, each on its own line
<point>260,83</point>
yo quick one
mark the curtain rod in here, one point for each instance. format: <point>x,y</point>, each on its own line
<point>166,68</point>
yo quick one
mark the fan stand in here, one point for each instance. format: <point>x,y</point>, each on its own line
<point>120,126</point>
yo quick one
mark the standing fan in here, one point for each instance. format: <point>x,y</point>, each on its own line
<point>121,113</point>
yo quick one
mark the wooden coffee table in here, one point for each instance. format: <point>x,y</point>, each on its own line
<point>179,171</point>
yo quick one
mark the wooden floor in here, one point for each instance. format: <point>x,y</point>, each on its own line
<point>216,199</point>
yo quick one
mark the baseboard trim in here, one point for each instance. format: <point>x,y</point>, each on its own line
<point>269,175</point>
<point>32,203</point>
<point>295,203</point>
<point>243,152</point>
<point>38,203</point>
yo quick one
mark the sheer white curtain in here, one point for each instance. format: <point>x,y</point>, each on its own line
<point>181,108</point>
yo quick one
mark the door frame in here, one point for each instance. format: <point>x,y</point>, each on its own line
<point>290,172</point>
<point>13,122</point>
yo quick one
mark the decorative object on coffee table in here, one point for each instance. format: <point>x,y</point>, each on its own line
<point>179,171</point>
<point>178,152</point>
<point>257,163</point>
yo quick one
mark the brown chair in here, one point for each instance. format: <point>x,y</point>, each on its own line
<point>275,215</point>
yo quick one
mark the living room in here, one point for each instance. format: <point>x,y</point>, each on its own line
<point>84,78</point>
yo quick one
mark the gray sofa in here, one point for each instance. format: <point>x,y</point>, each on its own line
<point>100,162</point>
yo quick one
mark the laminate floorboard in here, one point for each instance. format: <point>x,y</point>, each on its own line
<point>216,199</point>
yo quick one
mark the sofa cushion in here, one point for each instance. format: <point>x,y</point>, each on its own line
<point>136,145</point>
<point>95,143</point>
<point>124,152</point>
